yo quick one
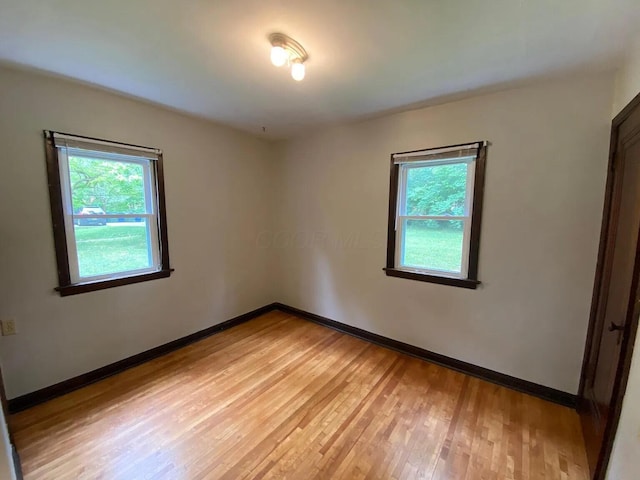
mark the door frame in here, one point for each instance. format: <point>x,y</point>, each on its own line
<point>17,464</point>
<point>629,337</point>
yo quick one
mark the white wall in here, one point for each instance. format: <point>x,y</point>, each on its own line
<point>627,79</point>
<point>544,192</point>
<point>218,187</point>
<point>625,460</point>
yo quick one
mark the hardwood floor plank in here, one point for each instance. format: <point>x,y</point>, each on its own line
<point>280,397</point>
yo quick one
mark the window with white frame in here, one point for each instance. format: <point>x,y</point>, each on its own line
<point>435,210</point>
<point>107,203</point>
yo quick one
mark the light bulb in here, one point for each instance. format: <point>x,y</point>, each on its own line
<point>297,71</point>
<point>278,55</point>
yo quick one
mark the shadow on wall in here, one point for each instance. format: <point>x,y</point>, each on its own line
<point>338,275</point>
<point>313,252</point>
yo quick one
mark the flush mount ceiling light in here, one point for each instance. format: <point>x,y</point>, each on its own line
<point>285,50</point>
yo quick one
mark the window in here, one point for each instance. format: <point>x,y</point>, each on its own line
<point>107,206</point>
<point>434,214</point>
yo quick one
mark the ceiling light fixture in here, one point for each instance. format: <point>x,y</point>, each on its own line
<point>285,49</point>
<point>279,56</point>
<point>297,70</point>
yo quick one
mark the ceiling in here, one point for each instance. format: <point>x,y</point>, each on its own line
<point>211,57</point>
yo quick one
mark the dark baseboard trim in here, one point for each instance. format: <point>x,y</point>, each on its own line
<point>48,393</point>
<point>540,391</point>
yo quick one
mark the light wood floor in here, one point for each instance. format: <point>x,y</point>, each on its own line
<point>280,397</point>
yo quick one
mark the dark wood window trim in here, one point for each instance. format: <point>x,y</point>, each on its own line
<point>85,287</point>
<point>65,286</point>
<point>471,281</point>
<point>424,277</point>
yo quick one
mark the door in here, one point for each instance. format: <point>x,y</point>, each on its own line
<point>614,316</point>
<point>13,463</point>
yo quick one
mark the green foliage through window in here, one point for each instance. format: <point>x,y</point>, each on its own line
<point>437,190</point>
<point>116,187</point>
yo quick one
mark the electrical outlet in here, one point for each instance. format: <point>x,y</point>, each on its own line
<point>8,327</point>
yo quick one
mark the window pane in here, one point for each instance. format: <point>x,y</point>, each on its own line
<point>116,245</point>
<point>436,190</point>
<point>107,185</point>
<point>433,244</point>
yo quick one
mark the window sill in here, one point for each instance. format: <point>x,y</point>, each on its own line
<point>423,277</point>
<point>77,288</point>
